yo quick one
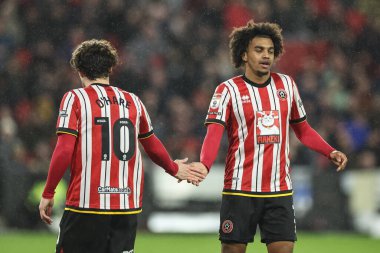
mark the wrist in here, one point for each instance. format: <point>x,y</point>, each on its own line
<point>332,152</point>
<point>173,170</point>
<point>207,166</point>
<point>47,195</point>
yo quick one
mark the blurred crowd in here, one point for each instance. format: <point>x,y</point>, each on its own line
<point>173,54</point>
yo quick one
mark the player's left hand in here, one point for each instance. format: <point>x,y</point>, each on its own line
<point>186,172</point>
<point>46,209</point>
<point>339,159</point>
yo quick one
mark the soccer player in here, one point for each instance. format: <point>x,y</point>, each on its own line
<point>257,109</point>
<point>98,130</point>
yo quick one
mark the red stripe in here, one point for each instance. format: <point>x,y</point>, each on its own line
<point>295,114</point>
<point>230,159</point>
<point>114,173</point>
<point>73,192</point>
<point>249,142</point>
<point>131,163</point>
<point>96,149</point>
<point>268,148</point>
<point>284,121</point>
<point>74,115</point>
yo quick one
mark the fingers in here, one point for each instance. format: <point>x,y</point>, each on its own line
<point>184,160</point>
<point>194,173</point>
<point>199,167</point>
<point>45,215</point>
<point>343,164</point>
<point>197,173</point>
<point>46,209</point>
<point>339,159</point>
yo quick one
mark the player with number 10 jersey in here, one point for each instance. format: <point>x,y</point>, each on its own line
<point>104,164</point>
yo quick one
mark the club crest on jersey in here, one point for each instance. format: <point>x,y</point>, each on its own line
<point>245,99</point>
<point>215,101</point>
<point>268,127</point>
<point>281,93</point>
<point>227,226</point>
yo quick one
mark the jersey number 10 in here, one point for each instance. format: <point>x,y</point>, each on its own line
<point>129,144</point>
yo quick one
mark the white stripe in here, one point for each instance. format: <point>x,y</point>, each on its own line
<point>289,89</point>
<point>139,113</point>
<point>124,143</point>
<point>297,98</point>
<point>137,171</point>
<point>105,165</point>
<point>137,174</point>
<point>67,105</point>
<point>110,148</point>
<point>86,147</point>
<point>102,163</point>
<point>276,169</point>
<point>258,156</point>
<point>225,98</point>
<point>242,134</point>
<point>147,116</point>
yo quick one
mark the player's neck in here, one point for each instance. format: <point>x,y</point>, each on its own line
<point>87,82</point>
<point>259,79</point>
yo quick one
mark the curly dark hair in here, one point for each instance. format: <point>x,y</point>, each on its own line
<point>241,37</point>
<point>94,58</point>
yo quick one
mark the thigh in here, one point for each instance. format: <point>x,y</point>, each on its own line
<point>233,248</point>
<point>238,219</point>
<point>280,247</point>
<point>278,220</point>
<point>81,233</point>
<point>123,233</point>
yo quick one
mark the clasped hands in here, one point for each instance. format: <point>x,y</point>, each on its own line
<point>193,173</point>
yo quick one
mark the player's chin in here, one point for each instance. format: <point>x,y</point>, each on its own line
<point>263,72</point>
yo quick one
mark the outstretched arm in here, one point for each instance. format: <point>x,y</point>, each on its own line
<point>210,147</point>
<point>178,168</point>
<point>60,161</point>
<point>311,139</point>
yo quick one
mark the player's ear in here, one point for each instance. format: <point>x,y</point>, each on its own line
<point>244,57</point>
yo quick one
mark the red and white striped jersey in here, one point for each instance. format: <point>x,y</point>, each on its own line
<point>257,119</point>
<point>106,171</point>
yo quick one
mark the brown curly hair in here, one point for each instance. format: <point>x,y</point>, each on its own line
<point>94,58</point>
<point>241,37</point>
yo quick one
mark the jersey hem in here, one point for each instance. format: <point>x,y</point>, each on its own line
<point>146,135</point>
<point>295,121</point>
<point>103,212</point>
<point>215,121</point>
<point>62,130</point>
<point>258,194</point>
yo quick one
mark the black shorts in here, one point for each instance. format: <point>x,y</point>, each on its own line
<point>240,216</point>
<point>95,233</point>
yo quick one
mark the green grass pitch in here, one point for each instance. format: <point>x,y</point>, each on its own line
<point>37,242</point>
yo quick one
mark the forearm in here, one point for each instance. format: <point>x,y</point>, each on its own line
<point>60,161</point>
<point>211,143</point>
<point>311,139</point>
<point>159,155</point>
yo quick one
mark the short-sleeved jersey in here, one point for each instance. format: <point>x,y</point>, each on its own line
<point>257,119</point>
<point>106,170</point>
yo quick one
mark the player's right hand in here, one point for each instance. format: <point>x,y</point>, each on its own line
<point>46,209</point>
<point>339,159</point>
<point>186,172</point>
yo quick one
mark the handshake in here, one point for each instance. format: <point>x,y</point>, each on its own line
<point>194,172</point>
